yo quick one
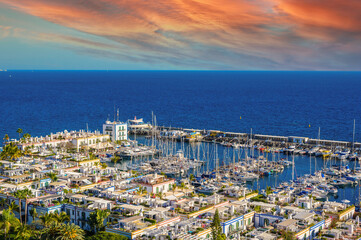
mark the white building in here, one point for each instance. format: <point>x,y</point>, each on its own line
<point>91,141</point>
<point>155,183</point>
<point>116,130</point>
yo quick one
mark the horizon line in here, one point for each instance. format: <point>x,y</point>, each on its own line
<point>174,70</point>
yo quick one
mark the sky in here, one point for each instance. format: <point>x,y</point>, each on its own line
<point>311,35</point>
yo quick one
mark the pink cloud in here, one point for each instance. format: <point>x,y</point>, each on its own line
<point>273,33</point>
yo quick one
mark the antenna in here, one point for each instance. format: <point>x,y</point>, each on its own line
<point>114,112</point>
<point>118,115</point>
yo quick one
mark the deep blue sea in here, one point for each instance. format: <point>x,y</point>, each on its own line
<point>276,103</point>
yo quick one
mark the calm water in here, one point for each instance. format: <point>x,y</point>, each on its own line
<point>303,165</point>
<point>277,103</point>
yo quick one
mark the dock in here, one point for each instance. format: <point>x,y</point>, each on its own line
<point>271,140</point>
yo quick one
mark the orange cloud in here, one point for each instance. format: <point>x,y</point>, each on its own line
<point>217,33</point>
<point>129,17</point>
<point>342,15</point>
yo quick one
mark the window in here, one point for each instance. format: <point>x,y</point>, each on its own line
<point>157,189</point>
<point>237,225</point>
<point>249,221</point>
<point>266,222</point>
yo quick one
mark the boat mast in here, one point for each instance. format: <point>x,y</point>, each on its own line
<point>319,135</point>
<point>293,167</point>
<point>152,130</point>
<point>353,136</point>
<point>353,144</point>
<point>310,165</point>
<point>217,161</point>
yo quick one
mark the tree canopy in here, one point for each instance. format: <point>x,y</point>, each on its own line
<point>217,233</point>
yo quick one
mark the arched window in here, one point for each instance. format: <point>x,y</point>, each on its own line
<point>266,222</point>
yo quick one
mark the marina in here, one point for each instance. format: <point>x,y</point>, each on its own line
<point>180,120</point>
<point>168,181</point>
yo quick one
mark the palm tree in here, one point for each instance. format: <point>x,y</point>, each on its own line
<point>33,213</point>
<point>46,219</point>
<point>7,219</point>
<point>70,232</point>
<point>10,152</point>
<point>53,177</point>
<point>92,156</point>
<point>23,194</point>
<point>26,136</point>
<point>23,232</point>
<point>102,215</point>
<point>51,231</point>
<point>191,177</point>
<point>160,195</point>
<point>20,131</point>
<point>96,219</point>
<point>115,159</point>
<point>268,190</point>
<point>6,138</point>
<point>287,235</point>
<point>174,186</point>
<point>143,190</point>
<point>12,206</point>
<point>18,194</point>
<point>61,218</point>
<point>140,190</point>
<point>3,202</point>
<point>104,165</point>
<point>26,194</point>
<point>27,151</point>
<point>182,186</point>
<point>36,235</point>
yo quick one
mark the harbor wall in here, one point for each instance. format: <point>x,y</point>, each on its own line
<point>272,138</point>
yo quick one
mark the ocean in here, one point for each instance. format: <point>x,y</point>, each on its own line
<point>274,103</point>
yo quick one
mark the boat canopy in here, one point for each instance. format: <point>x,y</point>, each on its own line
<point>136,120</point>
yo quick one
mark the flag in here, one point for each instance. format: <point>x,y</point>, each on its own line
<point>240,117</point>
<point>309,125</point>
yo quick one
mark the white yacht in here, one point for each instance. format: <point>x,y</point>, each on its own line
<point>138,124</point>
